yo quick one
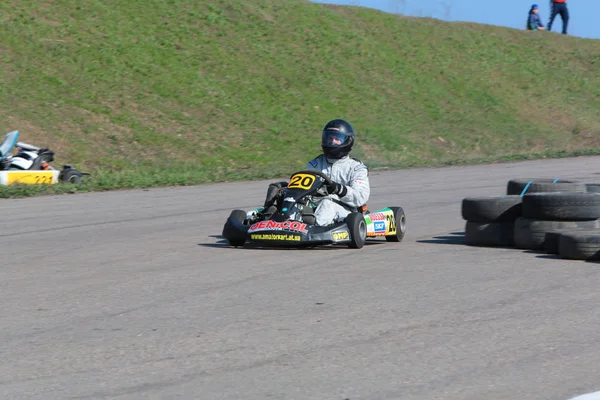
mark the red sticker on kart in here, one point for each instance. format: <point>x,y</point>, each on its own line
<point>377,216</point>
<point>270,225</point>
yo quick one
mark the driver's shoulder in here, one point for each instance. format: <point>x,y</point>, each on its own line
<point>357,164</point>
<point>317,161</point>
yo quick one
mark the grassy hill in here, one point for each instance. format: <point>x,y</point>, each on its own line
<point>190,91</point>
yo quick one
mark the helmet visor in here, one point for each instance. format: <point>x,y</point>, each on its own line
<point>334,138</point>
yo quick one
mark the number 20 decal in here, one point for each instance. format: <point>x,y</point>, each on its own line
<point>301,181</point>
<point>391,223</point>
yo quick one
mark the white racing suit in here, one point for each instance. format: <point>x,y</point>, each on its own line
<point>351,173</point>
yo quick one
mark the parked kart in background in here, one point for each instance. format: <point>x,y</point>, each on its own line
<point>293,224</point>
<point>31,164</point>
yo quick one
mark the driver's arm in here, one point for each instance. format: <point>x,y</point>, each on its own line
<point>358,190</point>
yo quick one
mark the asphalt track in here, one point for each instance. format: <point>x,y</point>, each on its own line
<point>133,294</point>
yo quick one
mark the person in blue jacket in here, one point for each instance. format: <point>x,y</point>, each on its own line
<point>534,22</point>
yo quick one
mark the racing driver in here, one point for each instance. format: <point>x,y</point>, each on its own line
<point>349,190</point>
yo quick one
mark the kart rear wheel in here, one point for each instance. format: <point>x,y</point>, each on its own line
<point>358,230</point>
<point>229,229</point>
<point>71,175</point>
<point>400,221</point>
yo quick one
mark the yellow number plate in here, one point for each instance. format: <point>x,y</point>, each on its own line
<point>301,181</point>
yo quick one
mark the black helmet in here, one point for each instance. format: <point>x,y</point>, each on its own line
<point>337,139</point>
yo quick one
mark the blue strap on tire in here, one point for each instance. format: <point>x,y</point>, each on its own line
<point>529,184</point>
<point>525,188</point>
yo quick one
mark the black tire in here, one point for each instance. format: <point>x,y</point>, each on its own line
<point>592,188</point>
<point>543,185</point>
<point>562,206</point>
<point>579,246</point>
<point>551,242</point>
<point>531,233</point>
<point>492,234</point>
<point>491,209</point>
<point>400,221</point>
<point>358,230</point>
<point>230,232</point>
<point>552,238</point>
<point>71,175</point>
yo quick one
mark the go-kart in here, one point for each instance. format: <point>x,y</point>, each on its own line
<point>292,223</point>
<point>31,164</point>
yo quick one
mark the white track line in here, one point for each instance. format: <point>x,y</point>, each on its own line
<point>589,396</point>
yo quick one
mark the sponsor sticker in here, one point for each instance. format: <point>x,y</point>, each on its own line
<point>379,226</point>
<point>383,223</point>
<point>377,216</point>
<point>275,236</point>
<point>273,225</point>
<point>340,235</point>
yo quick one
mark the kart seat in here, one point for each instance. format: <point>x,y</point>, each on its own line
<point>8,143</point>
<point>41,162</point>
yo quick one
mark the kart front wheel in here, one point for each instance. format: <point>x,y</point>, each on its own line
<point>358,230</point>
<point>229,230</point>
<point>400,222</point>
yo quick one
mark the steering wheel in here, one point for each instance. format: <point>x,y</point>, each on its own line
<point>320,174</point>
<point>327,180</point>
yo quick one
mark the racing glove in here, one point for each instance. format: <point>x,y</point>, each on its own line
<point>336,188</point>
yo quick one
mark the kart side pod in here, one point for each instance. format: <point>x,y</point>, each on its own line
<point>42,177</point>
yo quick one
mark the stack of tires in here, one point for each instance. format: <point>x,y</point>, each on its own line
<point>559,217</point>
<point>490,220</point>
<point>552,208</point>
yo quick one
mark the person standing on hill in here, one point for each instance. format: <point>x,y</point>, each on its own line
<point>534,22</point>
<point>559,7</point>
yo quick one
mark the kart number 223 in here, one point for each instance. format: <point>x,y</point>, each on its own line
<point>301,181</point>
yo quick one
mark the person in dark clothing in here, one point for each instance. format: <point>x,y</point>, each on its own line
<point>559,7</point>
<point>534,22</point>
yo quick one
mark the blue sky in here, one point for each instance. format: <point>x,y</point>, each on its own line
<point>584,14</point>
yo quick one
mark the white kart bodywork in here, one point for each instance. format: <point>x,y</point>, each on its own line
<point>23,176</point>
